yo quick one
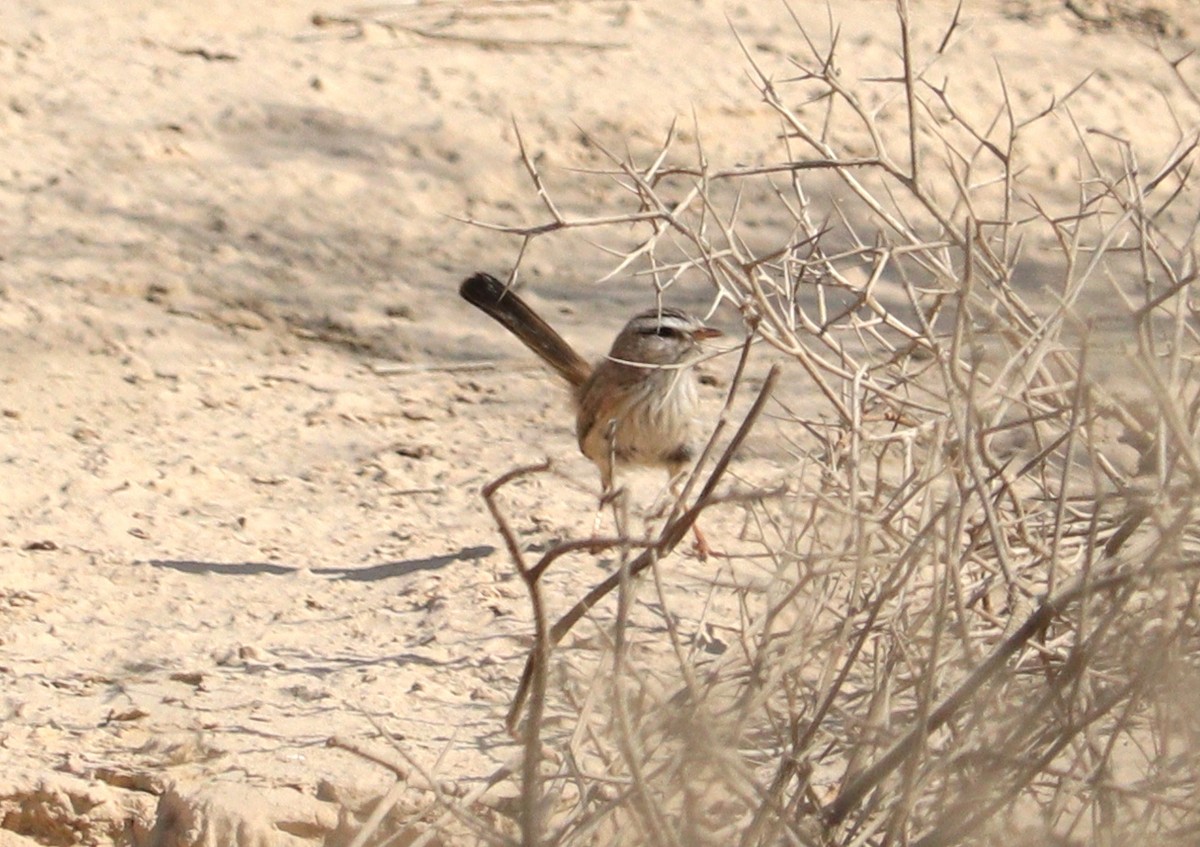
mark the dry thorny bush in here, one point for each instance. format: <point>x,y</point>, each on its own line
<point>980,624</point>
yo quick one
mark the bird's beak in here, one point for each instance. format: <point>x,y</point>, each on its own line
<point>706,332</point>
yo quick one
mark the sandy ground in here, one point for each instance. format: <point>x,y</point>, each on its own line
<point>226,534</point>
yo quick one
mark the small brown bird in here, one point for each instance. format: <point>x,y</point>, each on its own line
<point>636,406</point>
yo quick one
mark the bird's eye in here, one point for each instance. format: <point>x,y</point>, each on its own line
<point>662,331</point>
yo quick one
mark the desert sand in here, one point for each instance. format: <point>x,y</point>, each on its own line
<point>245,420</point>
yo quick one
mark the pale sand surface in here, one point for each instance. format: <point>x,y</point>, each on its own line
<point>224,537</point>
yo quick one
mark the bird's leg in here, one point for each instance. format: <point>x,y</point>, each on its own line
<point>610,493</point>
<point>701,548</point>
<point>616,498</point>
<point>620,505</point>
<point>675,486</point>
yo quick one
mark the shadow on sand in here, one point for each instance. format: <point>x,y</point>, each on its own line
<point>368,573</point>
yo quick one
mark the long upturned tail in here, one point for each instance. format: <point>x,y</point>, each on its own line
<point>489,294</point>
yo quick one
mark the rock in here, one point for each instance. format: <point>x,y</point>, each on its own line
<point>8,838</point>
<point>230,815</point>
<point>58,808</point>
